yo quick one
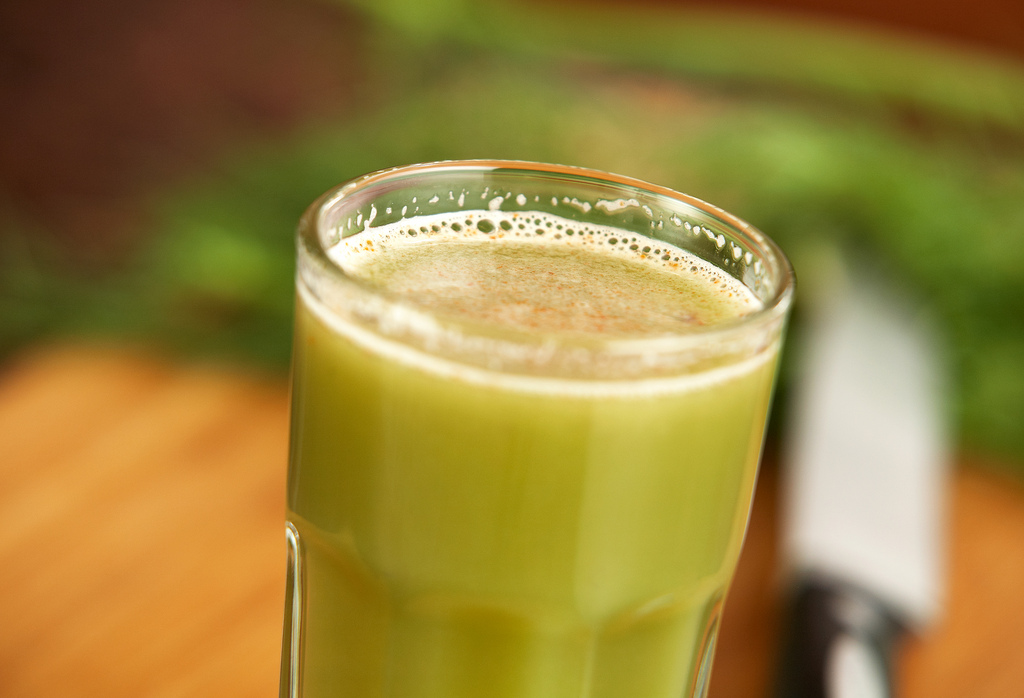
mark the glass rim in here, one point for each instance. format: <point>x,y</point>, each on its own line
<point>312,247</point>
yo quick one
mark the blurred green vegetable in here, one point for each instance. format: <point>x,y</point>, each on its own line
<point>940,203</point>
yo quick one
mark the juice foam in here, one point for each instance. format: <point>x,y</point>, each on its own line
<point>548,277</point>
<point>542,273</point>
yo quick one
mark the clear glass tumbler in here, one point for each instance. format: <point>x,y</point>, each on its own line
<point>482,509</point>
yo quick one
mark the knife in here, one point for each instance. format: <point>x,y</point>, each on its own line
<point>863,492</point>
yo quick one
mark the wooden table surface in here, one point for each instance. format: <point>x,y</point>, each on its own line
<point>142,548</point>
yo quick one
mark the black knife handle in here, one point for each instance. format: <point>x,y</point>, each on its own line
<point>839,644</point>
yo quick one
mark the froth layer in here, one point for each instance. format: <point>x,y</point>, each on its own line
<point>495,377</point>
<point>542,273</point>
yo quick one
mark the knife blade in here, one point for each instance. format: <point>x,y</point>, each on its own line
<point>863,491</point>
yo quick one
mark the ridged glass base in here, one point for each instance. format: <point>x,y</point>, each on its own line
<point>345,635</point>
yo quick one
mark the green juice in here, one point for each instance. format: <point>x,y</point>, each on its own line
<point>462,531</point>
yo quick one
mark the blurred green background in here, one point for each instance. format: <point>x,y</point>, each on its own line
<point>156,156</point>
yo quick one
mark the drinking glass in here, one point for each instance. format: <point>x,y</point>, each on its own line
<point>480,511</point>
